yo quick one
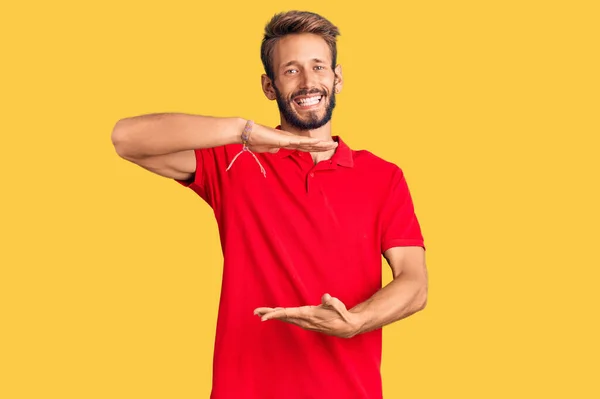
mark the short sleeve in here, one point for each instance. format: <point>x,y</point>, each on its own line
<point>399,224</point>
<point>198,180</point>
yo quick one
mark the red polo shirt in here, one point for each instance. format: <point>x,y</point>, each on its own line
<point>288,238</point>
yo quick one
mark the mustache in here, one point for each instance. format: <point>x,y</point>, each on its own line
<point>306,92</point>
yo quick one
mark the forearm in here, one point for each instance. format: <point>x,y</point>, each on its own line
<point>159,134</point>
<point>402,297</point>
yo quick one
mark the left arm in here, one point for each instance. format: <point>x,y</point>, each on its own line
<point>404,295</point>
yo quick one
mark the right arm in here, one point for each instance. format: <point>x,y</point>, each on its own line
<point>165,143</point>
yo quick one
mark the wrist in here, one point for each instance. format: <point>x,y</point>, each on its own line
<point>361,318</point>
<point>357,323</point>
<point>235,133</point>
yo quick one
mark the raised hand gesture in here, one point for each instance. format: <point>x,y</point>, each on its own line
<point>266,139</point>
<point>330,317</point>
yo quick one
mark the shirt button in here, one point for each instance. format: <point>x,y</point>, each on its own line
<point>312,174</point>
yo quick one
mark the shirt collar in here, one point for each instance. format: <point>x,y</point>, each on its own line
<point>342,155</point>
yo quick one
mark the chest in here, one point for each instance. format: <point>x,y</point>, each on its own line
<point>321,200</point>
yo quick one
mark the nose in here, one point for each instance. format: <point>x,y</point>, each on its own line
<point>308,79</point>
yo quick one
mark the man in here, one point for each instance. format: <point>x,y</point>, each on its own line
<point>303,222</point>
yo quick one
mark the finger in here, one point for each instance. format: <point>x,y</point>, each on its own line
<point>299,141</point>
<point>281,314</point>
<point>335,304</point>
<point>323,146</point>
<point>325,299</point>
<point>318,144</point>
<point>262,311</point>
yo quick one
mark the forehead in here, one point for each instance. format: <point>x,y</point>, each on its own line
<point>301,47</point>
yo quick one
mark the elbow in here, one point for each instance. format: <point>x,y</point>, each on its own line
<point>120,139</point>
<point>421,300</point>
<point>423,291</point>
<point>422,303</point>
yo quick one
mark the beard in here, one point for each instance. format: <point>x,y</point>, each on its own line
<point>311,121</point>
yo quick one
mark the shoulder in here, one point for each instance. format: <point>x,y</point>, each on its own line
<point>371,163</point>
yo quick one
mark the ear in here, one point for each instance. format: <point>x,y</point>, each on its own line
<point>267,86</point>
<point>339,80</point>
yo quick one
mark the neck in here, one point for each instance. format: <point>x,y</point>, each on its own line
<point>324,133</point>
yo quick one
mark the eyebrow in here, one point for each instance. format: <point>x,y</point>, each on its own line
<point>294,62</point>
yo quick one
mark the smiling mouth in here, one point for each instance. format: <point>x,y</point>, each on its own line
<point>308,101</point>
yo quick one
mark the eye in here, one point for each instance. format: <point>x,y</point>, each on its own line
<point>319,67</point>
<point>291,71</point>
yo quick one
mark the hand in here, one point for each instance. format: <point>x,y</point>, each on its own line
<point>266,139</point>
<point>330,317</point>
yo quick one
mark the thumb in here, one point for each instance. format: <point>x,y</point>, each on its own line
<point>335,304</point>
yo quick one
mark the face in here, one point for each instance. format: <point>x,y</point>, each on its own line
<point>305,84</point>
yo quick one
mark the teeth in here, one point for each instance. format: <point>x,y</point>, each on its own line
<point>309,100</point>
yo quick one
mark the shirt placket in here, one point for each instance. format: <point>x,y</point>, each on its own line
<point>314,171</point>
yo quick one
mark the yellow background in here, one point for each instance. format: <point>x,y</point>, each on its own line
<point>110,275</point>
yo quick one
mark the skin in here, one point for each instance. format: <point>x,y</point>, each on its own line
<point>164,144</point>
<point>302,62</point>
